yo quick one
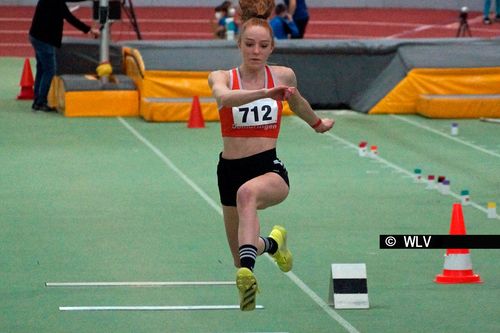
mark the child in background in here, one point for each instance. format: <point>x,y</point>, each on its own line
<point>223,13</point>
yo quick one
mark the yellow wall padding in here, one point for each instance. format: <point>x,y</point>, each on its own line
<point>135,62</point>
<point>438,81</point>
<point>286,109</point>
<point>93,103</point>
<point>133,66</point>
<point>169,86</point>
<point>174,110</point>
<point>160,91</point>
<point>55,86</point>
<point>173,85</point>
<point>101,103</point>
<point>459,106</point>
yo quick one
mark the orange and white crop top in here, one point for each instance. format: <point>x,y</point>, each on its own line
<point>260,118</point>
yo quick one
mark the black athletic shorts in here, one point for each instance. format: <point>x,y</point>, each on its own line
<point>231,174</point>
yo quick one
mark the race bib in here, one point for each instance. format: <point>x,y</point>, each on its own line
<point>257,113</point>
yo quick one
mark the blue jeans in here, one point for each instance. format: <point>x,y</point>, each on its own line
<point>487,6</point>
<point>45,69</point>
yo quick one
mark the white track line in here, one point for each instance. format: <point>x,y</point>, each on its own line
<point>207,21</point>
<point>452,25</point>
<point>407,32</point>
<point>398,168</point>
<point>318,300</point>
<point>153,308</point>
<point>15,45</point>
<point>121,31</point>
<point>456,25</point>
<point>138,284</point>
<point>360,23</point>
<point>16,19</point>
<point>476,147</point>
<point>422,27</point>
<point>172,166</point>
<point>490,120</point>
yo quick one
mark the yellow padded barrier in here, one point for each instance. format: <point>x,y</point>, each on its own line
<point>176,109</point>
<point>438,81</point>
<point>55,86</point>
<point>459,106</point>
<point>167,95</point>
<point>133,65</point>
<point>175,84</point>
<point>101,103</point>
<point>135,62</point>
<point>94,103</point>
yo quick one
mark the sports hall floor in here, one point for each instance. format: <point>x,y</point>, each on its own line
<point>122,200</point>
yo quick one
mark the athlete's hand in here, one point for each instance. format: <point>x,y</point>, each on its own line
<point>281,93</point>
<point>325,125</point>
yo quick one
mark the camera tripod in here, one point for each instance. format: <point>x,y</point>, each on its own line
<point>129,11</point>
<point>463,28</point>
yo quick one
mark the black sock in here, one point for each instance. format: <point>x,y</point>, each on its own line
<point>248,254</point>
<point>270,245</point>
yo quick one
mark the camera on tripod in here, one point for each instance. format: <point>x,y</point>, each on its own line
<point>463,28</point>
<point>464,13</point>
<point>114,11</point>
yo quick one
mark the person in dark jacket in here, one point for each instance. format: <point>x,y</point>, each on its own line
<point>45,36</point>
<point>300,14</point>
<point>282,23</point>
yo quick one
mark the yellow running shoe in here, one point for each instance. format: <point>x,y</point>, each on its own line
<point>247,285</point>
<point>283,256</point>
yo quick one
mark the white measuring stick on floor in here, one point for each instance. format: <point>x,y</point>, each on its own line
<point>138,284</point>
<point>153,308</point>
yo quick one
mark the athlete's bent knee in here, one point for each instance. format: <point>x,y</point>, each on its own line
<point>245,196</point>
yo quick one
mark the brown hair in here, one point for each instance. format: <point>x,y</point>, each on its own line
<point>223,7</point>
<point>256,12</point>
<point>256,8</point>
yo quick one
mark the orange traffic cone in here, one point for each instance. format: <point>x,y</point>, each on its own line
<point>195,117</point>
<point>26,82</point>
<point>457,262</point>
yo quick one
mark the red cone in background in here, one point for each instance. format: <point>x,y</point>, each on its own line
<point>457,262</point>
<point>195,117</point>
<point>26,82</point>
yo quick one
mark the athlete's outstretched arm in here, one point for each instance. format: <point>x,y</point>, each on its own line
<point>301,107</point>
<point>219,83</point>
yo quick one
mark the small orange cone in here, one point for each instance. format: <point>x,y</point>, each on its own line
<point>26,82</point>
<point>195,117</point>
<point>457,262</point>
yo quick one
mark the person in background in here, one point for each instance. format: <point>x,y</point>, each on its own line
<point>282,23</point>
<point>222,12</point>
<point>45,35</point>
<point>486,11</point>
<point>250,176</point>
<point>300,15</point>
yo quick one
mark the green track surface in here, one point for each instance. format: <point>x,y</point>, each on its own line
<point>83,199</point>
